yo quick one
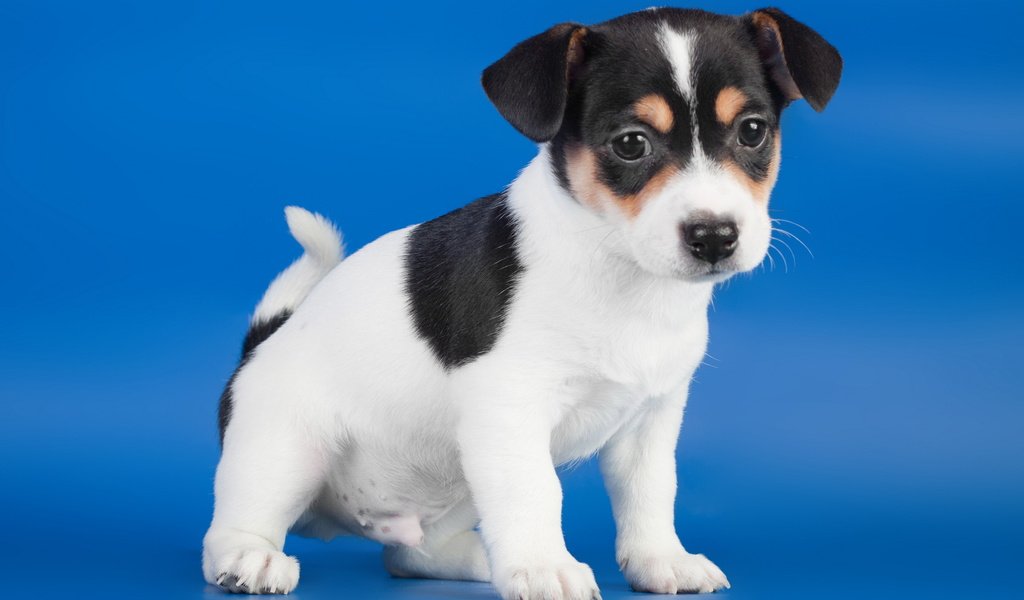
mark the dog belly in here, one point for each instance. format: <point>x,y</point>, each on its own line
<point>385,494</point>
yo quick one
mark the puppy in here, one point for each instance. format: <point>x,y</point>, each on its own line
<point>422,391</point>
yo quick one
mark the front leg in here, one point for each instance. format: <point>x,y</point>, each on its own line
<point>639,469</point>
<point>505,443</point>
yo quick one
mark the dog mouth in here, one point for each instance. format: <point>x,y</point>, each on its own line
<point>710,272</point>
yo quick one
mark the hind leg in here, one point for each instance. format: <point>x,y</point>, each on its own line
<point>268,473</point>
<point>451,549</point>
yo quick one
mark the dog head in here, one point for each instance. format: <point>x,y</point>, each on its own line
<point>665,123</point>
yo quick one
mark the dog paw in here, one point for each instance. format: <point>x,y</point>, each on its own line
<point>256,571</point>
<point>672,572</point>
<point>566,579</point>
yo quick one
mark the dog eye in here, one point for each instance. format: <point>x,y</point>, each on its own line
<point>752,132</point>
<point>631,146</point>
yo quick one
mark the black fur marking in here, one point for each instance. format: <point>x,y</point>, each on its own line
<point>729,59</point>
<point>461,272</point>
<point>814,65</point>
<point>529,85</point>
<point>624,61</point>
<point>257,334</point>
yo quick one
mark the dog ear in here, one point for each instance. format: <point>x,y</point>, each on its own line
<point>800,62</point>
<point>530,85</point>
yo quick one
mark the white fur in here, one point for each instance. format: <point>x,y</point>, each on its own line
<point>323,248</point>
<point>344,422</point>
<point>703,189</point>
<point>678,47</point>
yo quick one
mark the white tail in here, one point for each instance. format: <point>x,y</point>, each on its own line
<point>323,248</point>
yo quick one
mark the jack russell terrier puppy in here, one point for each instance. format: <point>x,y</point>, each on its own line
<point>422,391</point>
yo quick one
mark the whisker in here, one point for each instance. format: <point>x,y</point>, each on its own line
<point>792,223</point>
<point>788,247</point>
<point>785,263</point>
<point>806,247</point>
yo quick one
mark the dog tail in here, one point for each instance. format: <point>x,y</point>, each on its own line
<point>324,249</point>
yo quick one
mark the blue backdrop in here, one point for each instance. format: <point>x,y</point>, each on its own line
<point>857,431</point>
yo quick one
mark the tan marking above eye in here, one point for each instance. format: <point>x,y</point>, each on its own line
<point>760,190</point>
<point>728,104</point>
<point>654,110</point>
<point>586,186</point>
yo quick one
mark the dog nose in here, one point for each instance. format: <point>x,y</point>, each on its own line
<point>711,241</point>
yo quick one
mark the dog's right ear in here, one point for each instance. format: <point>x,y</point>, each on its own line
<point>530,85</point>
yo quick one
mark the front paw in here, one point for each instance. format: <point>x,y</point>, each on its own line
<point>674,571</point>
<point>562,579</point>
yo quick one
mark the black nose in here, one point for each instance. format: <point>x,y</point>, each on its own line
<point>711,241</point>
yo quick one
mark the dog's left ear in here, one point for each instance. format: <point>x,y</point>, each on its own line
<point>530,84</point>
<point>800,62</point>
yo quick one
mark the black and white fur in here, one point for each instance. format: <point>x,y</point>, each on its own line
<point>433,381</point>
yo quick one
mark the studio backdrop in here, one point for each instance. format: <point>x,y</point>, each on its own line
<point>855,429</point>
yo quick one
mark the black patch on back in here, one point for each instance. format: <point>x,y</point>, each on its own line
<point>461,271</point>
<point>257,334</point>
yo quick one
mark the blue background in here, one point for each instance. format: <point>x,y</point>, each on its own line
<point>857,433</point>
